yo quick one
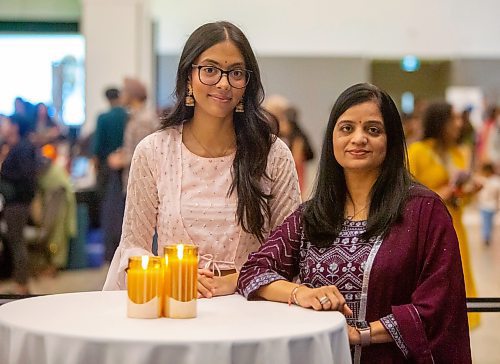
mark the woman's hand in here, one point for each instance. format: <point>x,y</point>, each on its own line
<point>354,335</point>
<point>205,283</point>
<point>116,159</point>
<point>327,298</point>
<point>446,192</point>
<point>473,186</point>
<point>210,285</point>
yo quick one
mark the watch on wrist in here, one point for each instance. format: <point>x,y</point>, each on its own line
<point>364,330</point>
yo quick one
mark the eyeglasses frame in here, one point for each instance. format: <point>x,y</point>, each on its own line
<point>222,73</point>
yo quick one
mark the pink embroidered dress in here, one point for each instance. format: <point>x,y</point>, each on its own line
<point>184,197</point>
<point>208,213</point>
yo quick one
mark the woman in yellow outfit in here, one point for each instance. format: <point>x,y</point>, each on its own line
<point>439,163</point>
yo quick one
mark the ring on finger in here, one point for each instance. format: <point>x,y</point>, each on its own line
<point>324,300</point>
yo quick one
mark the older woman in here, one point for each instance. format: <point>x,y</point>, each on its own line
<point>370,243</point>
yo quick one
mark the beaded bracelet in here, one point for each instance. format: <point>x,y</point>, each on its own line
<point>293,296</point>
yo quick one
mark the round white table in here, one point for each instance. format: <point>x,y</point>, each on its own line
<point>92,328</point>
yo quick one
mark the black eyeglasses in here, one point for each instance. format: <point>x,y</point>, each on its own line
<point>211,75</point>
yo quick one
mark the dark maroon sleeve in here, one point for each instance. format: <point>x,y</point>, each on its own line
<point>277,258</point>
<point>434,325</point>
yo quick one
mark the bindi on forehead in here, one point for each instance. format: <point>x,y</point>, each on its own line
<point>225,53</point>
<point>361,121</point>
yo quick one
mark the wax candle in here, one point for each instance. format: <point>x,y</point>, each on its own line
<point>144,287</point>
<point>181,279</point>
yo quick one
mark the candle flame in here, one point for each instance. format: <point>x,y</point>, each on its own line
<point>145,260</point>
<point>180,251</point>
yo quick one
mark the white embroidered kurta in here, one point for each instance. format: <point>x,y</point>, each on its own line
<point>154,197</point>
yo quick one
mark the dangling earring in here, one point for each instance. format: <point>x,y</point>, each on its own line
<point>189,97</point>
<point>240,107</point>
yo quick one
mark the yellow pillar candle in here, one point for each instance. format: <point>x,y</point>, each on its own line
<point>181,280</point>
<point>144,287</point>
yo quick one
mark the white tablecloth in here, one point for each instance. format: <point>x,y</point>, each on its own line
<point>92,328</point>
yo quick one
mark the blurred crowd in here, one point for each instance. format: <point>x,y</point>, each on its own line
<point>40,179</point>
<point>469,156</point>
<point>35,189</point>
<point>474,163</point>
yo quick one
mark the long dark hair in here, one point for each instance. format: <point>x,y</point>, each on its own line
<point>253,131</point>
<point>324,213</point>
<point>436,116</point>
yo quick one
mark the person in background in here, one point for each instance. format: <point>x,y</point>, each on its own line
<point>467,138</point>
<point>488,200</point>
<point>387,258</point>
<point>24,110</point>
<point>214,175</point>
<point>57,218</point>
<point>412,126</point>
<point>300,146</point>
<point>142,122</point>
<point>488,141</point>
<point>18,172</point>
<point>493,144</point>
<point>291,133</point>
<point>107,139</point>
<point>108,136</point>
<point>439,163</point>
<point>20,108</point>
<point>45,130</point>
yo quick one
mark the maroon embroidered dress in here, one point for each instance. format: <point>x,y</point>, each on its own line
<point>411,281</point>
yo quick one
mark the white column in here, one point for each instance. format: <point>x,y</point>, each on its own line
<point>118,38</point>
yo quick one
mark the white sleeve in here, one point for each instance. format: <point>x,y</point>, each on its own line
<point>285,184</point>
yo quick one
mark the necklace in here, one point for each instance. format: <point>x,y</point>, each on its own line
<point>351,217</point>
<point>209,153</point>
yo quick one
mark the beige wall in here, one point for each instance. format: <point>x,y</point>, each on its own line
<point>361,28</point>
<point>482,72</point>
<point>118,35</point>
<point>375,29</point>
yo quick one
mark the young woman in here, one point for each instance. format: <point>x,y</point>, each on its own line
<point>214,175</point>
<point>371,244</point>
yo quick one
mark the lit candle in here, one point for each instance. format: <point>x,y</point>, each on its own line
<point>144,287</point>
<point>181,280</point>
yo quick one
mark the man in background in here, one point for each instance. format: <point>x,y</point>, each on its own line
<point>108,138</point>
<point>142,122</point>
